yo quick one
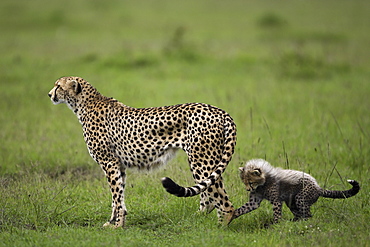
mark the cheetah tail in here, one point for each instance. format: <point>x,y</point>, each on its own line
<point>228,150</point>
<point>343,194</point>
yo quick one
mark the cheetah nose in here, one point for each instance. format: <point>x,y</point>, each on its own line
<point>49,95</point>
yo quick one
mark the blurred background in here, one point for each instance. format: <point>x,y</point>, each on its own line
<point>293,74</point>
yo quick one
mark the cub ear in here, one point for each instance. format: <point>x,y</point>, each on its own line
<point>256,172</point>
<point>77,87</point>
<point>241,169</point>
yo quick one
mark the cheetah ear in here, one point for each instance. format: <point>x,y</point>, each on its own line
<point>256,172</point>
<point>241,169</point>
<point>77,87</point>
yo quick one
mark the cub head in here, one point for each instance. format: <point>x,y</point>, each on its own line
<point>252,177</point>
<point>66,90</point>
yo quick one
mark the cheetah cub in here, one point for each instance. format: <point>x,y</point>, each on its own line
<point>297,189</point>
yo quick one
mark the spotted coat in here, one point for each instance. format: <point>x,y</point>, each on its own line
<point>297,189</point>
<point>120,137</point>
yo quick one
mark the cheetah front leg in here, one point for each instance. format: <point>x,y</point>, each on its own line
<point>253,204</point>
<point>277,207</point>
<point>116,179</point>
<point>277,204</point>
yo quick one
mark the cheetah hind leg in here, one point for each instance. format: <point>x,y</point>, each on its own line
<point>206,203</point>
<point>225,217</point>
<point>225,209</point>
<point>303,208</point>
<point>295,211</point>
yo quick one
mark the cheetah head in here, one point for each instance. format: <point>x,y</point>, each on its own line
<point>252,177</point>
<point>66,90</point>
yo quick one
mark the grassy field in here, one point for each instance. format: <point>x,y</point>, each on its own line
<point>294,75</point>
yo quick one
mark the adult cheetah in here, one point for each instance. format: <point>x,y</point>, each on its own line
<point>119,137</point>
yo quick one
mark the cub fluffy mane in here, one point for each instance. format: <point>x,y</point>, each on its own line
<point>279,174</point>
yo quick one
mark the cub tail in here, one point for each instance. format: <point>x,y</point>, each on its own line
<point>345,193</point>
<point>228,150</point>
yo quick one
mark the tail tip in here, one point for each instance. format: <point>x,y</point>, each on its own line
<point>351,181</point>
<point>167,182</point>
<point>170,186</point>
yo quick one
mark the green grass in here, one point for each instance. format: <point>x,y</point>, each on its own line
<point>294,75</point>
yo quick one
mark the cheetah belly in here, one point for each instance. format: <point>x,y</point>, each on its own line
<point>164,158</point>
<point>148,162</point>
